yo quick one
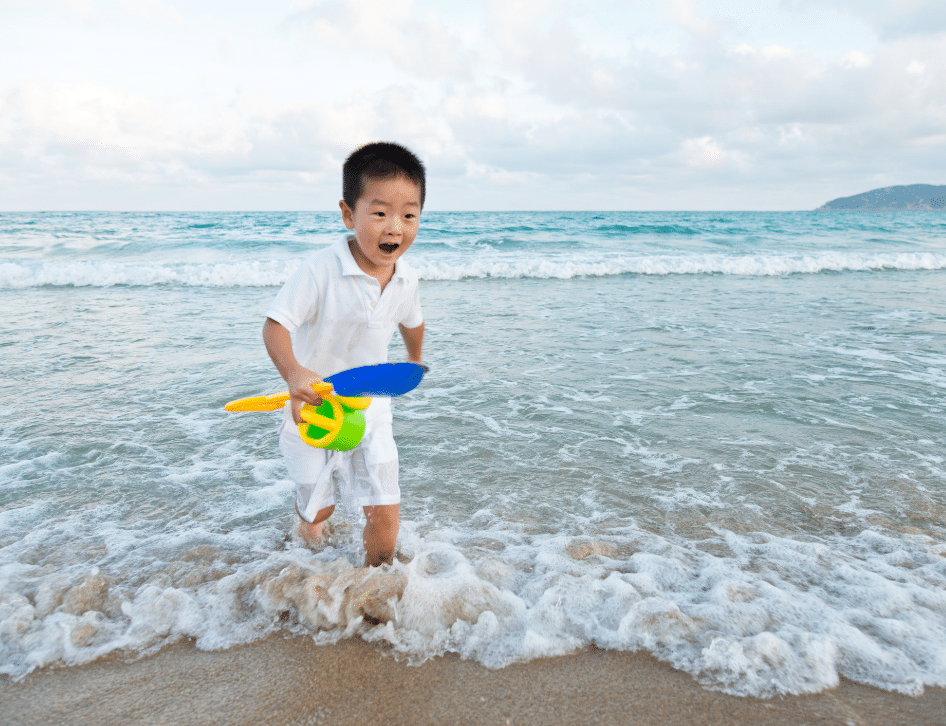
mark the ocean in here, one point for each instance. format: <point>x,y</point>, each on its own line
<point>716,437</point>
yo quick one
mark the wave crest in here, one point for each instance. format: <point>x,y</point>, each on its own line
<point>16,275</point>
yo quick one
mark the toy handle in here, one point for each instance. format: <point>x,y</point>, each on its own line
<point>273,402</point>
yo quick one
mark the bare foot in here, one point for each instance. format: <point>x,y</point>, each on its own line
<point>310,533</point>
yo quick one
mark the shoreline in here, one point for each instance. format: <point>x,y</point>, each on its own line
<point>291,680</point>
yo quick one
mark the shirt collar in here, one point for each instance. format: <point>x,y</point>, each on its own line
<point>350,267</point>
<point>343,252</point>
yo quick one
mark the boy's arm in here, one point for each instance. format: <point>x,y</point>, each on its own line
<point>300,379</point>
<point>413,341</point>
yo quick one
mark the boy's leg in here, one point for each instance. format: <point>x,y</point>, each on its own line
<point>380,533</point>
<point>306,464</point>
<point>374,487</point>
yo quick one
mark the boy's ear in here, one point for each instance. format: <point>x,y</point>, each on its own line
<point>348,214</point>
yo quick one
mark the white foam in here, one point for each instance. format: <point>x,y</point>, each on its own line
<point>749,265</point>
<point>774,616</point>
<point>109,274</point>
<point>272,273</point>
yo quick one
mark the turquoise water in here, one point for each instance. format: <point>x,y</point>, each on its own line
<point>715,436</point>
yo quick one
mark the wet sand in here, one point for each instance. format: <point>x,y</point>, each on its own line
<point>293,681</point>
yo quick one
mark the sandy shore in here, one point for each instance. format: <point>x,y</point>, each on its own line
<point>293,681</point>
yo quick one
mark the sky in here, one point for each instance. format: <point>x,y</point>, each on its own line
<point>144,105</point>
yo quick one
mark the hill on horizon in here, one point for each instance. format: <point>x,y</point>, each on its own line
<point>919,197</point>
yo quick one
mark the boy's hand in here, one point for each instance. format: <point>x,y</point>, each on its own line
<point>300,390</point>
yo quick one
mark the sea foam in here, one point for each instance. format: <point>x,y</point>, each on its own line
<point>814,612</point>
<point>272,273</point>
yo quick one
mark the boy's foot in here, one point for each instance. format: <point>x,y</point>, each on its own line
<point>309,532</point>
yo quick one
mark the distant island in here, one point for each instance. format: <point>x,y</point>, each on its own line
<point>919,197</point>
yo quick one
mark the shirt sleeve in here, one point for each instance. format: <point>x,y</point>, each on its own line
<point>298,300</point>
<point>413,316</point>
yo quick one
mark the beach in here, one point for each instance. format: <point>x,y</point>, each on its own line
<point>711,439</point>
<point>293,681</point>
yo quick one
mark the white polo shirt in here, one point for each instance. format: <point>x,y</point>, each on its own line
<point>339,317</point>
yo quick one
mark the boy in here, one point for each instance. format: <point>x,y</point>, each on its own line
<point>343,305</point>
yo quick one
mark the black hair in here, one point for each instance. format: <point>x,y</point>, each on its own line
<point>379,160</point>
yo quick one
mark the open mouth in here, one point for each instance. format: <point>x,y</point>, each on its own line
<point>385,247</point>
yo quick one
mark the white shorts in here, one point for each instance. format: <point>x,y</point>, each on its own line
<point>366,476</point>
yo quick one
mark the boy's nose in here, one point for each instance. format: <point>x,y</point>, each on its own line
<point>395,226</point>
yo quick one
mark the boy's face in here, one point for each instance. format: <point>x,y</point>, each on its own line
<point>385,221</point>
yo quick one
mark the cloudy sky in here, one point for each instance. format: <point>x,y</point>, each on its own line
<point>513,104</point>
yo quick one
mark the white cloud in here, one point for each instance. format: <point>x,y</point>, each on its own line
<point>410,36</point>
<point>704,153</point>
<point>86,111</point>
<point>855,59</point>
<point>684,14</point>
<point>155,11</point>
<point>791,134</point>
<point>101,134</point>
<point>635,100</point>
<point>85,9</point>
<point>741,51</point>
<point>490,106</point>
<point>890,20</point>
<point>777,52</point>
<point>931,140</point>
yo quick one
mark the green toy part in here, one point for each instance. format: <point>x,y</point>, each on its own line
<point>335,424</point>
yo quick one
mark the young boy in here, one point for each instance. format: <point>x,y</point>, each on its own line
<point>343,305</point>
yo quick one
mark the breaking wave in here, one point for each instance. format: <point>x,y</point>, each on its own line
<point>20,275</point>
